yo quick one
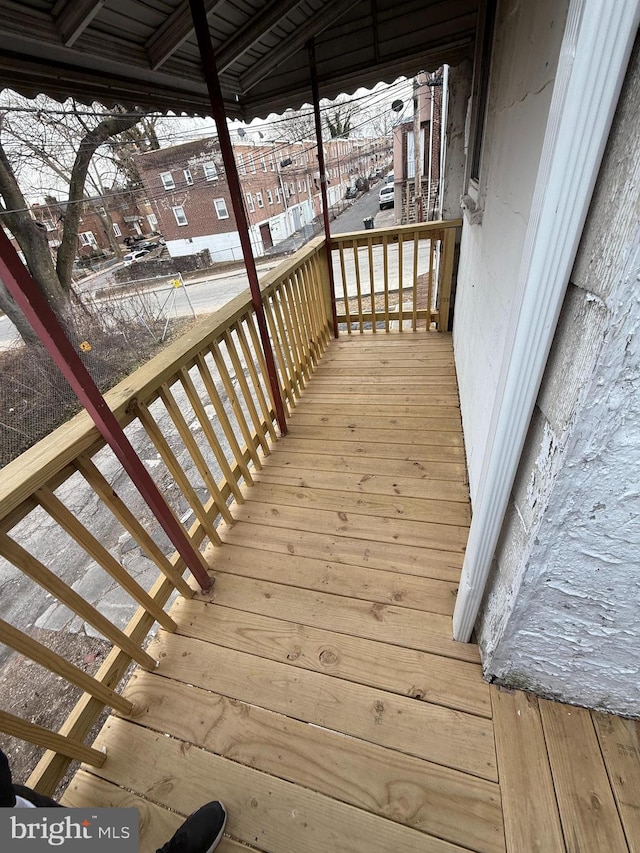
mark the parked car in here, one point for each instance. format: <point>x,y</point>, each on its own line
<point>386,196</point>
<point>135,256</point>
<point>351,192</point>
<point>389,178</point>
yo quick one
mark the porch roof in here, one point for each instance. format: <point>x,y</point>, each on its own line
<point>145,54</point>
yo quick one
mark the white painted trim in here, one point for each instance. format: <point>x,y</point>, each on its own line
<point>593,59</point>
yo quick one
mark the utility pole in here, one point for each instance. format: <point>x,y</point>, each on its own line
<point>416,149</point>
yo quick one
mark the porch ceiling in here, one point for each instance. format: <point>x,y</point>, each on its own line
<point>144,52</point>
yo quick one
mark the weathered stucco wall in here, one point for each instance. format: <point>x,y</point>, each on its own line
<point>526,49</point>
<point>560,616</point>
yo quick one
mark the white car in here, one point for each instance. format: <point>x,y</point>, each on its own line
<point>134,256</point>
<point>385,196</point>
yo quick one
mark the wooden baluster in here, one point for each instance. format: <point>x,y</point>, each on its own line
<point>23,729</point>
<point>191,446</point>
<point>44,577</point>
<point>246,393</point>
<point>290,332</point>
<point>400,277</point>
<point>430,282</point>
<point>326,324</point>
<point>235,405</point>
<point>108,496</point>
<point>96,550</point>
<point>309,297</point>
<point>250,359</point>
<point>40,654</point>
<point>385,265</point>
<point>175,469</point>
<point>446,276</point>
<point>285,342</point>
<point>223,418</point>
<point>305,319</point>
<point>212,438</point>
<point>356,261</point>
<point>414,324</point>
<point>345,288</point>
<point>296,329</point>
<point>372,285</point>
<point>270,311</point>
<point>257,348</point>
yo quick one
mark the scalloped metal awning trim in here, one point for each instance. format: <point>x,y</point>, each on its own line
<point>145,54</point>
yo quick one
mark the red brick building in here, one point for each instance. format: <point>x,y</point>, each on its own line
<point>105,225</point>
<point>187,187</point>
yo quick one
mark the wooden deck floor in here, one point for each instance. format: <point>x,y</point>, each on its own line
<point>317,691</point>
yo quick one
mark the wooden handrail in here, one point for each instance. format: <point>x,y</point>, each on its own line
<point>221,350</point>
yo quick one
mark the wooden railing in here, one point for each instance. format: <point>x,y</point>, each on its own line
<point>395,278</point>
<point>205,399</point>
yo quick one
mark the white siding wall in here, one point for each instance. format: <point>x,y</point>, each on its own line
<point>526,50</point>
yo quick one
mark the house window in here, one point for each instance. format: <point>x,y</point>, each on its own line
<point>188,176</point>
<point>152,219</point>
<point>291,189</point>
<point>269,196</point>
<point>87,238</point>
<point>259,200</point>
<point>263,163</point>
<point>480,90</point>
<point>116,230</point>
<point>241,167</point>
<point>167,181</point>
<point>278,194</point>
<point>210,171</point>
<point>299,187</point>
<point>252,165</point>
<point>250,203</point>
<point>221,208</point>
<point>179,214</point>
<point>272,164</point>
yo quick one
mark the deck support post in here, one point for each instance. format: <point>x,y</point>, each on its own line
<point>323,180</point>
<point>24,290</point>
<point>209,69</point>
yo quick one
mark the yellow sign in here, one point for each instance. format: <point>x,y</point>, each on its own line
<point>85,346</point>
<point>177,282</point>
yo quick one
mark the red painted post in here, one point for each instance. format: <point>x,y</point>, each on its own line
<point>16,278</point>
<point>210,72</point>
<point>323,181</point>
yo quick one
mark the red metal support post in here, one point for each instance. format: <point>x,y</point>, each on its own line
<point>16,278</point>
<point>323,181</point>
<point>210,71</point>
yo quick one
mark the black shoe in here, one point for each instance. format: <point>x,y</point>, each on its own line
<point>200,833</point>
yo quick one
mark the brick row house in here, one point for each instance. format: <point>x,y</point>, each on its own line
<point>188,190</point>
<point>106,226</point>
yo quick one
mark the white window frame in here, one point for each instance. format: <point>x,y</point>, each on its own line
<point>241,166</point>
<point>116,229</point>
<point>269,196</point>
<point>250,203</point>
<point>167,181</point>
<point>152,219</point>
<point>272,164</point>
<point>87,238</point>
<point>182,214</point>
<point>278,194</point>
<point>210,171</point>
<point>252,165</point>
<point>218,203</point>
<point>259,199</point>
<point>188,177</point>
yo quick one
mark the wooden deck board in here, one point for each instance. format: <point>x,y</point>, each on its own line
<point>317,690</point>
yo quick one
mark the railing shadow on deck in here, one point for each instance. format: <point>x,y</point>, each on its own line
<point>203,410</point>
